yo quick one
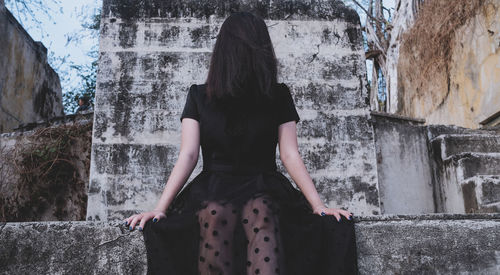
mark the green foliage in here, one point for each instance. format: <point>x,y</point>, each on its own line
<point>86,73</point>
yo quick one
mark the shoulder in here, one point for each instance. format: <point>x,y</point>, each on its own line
<point>194,91</point>
<point>197,90</point>
<point>282,90</point>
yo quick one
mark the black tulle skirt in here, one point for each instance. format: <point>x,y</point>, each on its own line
<point>247,223</point>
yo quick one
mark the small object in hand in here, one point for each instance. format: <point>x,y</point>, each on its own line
<point>155,220</point>
<point>323,213</point>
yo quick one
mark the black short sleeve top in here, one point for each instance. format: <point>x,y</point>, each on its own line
<point>257,144</point>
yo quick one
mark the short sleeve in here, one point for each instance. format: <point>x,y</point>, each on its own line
<point>190,108</point>
<point>286,110</point>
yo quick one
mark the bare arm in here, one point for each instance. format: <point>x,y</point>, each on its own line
<point>290,156</point>
<point>186,162</point>
<point>188,157</point>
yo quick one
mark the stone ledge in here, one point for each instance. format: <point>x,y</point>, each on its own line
<point>387,244</point>
<point>432,216</point>
<point>281,9</point>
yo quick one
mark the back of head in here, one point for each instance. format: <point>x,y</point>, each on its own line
<point>243,62</point>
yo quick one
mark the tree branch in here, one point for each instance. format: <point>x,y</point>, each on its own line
<point>369,15</point>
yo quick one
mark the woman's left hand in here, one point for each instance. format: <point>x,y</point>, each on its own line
<point>323,211</point>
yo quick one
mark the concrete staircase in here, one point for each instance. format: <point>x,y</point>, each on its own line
<point>467,164</point>
<point>387,244</point>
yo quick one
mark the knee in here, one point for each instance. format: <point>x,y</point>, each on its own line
<point>259,213</point>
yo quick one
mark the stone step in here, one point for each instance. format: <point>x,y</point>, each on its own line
<point>460,178</point>
<point>475,164</point>
<point>481,194</point>
<point>455,144</point>
<point>387,244</point>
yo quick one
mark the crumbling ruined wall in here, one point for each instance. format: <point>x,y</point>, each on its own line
<point>447,70</point>
<point>404,16</point>
<point>152,51</point>
<point>30,89</point>
<point>44,171</point>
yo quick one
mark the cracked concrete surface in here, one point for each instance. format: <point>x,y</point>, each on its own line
<point>387,244</point>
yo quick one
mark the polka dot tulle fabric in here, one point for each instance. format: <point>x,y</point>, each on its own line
<point>260,225</point>
<point>261,237</point>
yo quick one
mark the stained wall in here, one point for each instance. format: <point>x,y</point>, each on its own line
<point>470,92</point>
<point>150,53</point>
<point>30,90</point>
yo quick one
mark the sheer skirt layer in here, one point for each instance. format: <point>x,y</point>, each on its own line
<point>247,224</point>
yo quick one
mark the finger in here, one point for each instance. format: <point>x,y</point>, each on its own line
<point>134,221</point>
<point>334,213</point>
<point>129,219</point>
<point>346,214</point>
<point>143,222</point>
<point>157,217</point>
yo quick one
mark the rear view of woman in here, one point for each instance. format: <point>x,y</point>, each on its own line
<point>240,215</point>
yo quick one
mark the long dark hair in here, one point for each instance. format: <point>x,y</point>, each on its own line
<point>243,70</point>
<point>243,62</point>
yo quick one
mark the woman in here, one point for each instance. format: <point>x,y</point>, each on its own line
<point>240,215</point>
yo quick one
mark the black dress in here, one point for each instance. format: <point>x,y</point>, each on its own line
<point>240,215</point>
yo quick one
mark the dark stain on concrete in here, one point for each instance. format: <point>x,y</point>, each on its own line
<point>491,191</point>
<point>469,194</point>
<point>169,34</point>
<point>200,36</point>
<point>127,34</point>
<point>329,36</point>
<point>354,35</point>
<point>45,101</point>
<point>267,9</point>
<point>370,191</point>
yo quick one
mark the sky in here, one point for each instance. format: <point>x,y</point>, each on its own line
<point>65,38</point>
<point>62,34</point>
<point>65,21</point>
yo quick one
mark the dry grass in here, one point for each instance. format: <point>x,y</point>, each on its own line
<point>428,43</point>
<point>47,173</point>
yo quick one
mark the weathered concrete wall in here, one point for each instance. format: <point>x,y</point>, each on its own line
<point>466,169</point>
<point>30,89</point>
<point>404,16</point>
<point>70,248</point>
<point>44,170</point>
<point>150,53</point>
<point>403,165</point>
<point>435,168</point>
<point>470,93</point>
<point>422,244</point>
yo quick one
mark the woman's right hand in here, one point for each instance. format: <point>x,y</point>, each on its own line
<point>143,217</point>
